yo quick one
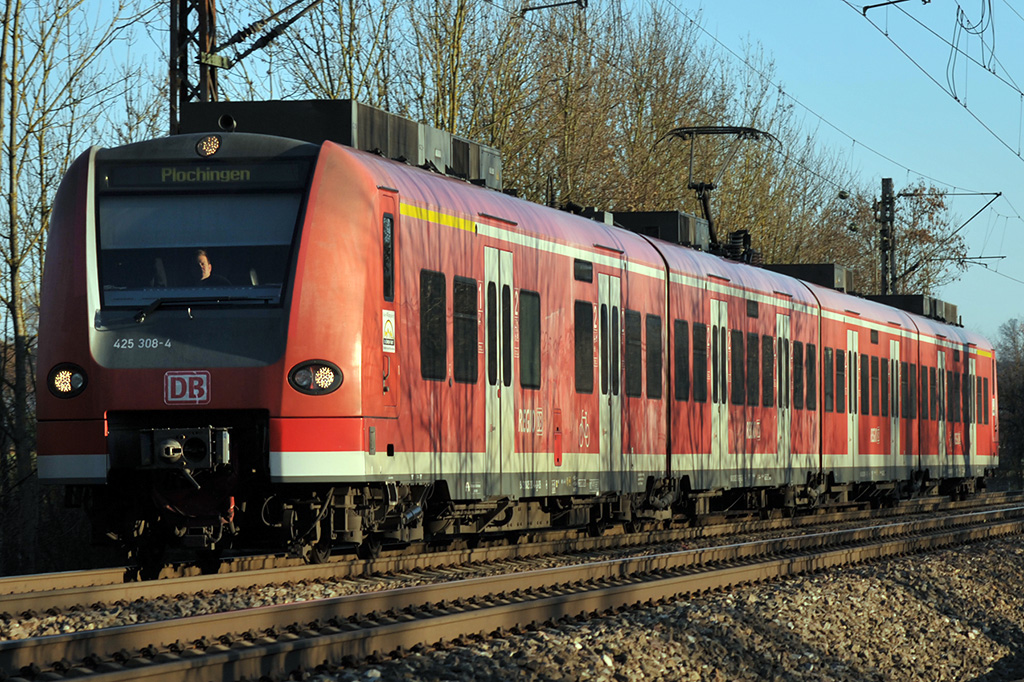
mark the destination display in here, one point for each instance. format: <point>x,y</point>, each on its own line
<point>203,175</point>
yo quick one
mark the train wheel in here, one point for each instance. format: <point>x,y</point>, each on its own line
<point>370,548</point>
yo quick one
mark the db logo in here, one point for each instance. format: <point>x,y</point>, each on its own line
<point>187,388</point>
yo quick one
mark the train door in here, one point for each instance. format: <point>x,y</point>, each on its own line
<point>719,385</point>
<point>610,354</point>
<point>389,307</point>
<point>944,463</point>
<point>894,407</point>
<point>852,422</point>
<point>500,368</point>
<point>782,374</point>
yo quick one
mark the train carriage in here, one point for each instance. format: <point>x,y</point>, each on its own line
<point>385,353</point>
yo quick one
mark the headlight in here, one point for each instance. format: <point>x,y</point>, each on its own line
<point>315,377</point>
<point>67,380</point>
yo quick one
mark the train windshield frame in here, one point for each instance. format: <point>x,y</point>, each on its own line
<point>150,239</point>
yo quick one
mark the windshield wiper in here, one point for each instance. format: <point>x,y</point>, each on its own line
<point>141,316</point>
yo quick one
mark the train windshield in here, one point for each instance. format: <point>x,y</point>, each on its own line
<point>218,246</point>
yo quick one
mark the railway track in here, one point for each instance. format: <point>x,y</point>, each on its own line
<point>277,639</point>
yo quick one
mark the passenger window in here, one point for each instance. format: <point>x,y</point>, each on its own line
<point>874,385</point>
<point>865,385</point>
<point>767,371</point>
<point>529,339</point>
<point>681,343</point>
<point>464,330</point>
<point>583,320</point>
<point>700,362</point>
<point>840,381</point>
<point>753,369</point>
<point>826,373</point>
<point>798,375</point>
<point>739,382</point>
<point>634,352</point>
<point>433,332</point>
<point>654,364</point>
<point>812,377</point>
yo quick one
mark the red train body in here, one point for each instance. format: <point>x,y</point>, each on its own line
<point>390,353</point>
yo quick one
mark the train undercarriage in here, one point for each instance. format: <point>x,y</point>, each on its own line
<point>163,516</point>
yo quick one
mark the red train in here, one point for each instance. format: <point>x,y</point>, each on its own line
<point>382,353</point>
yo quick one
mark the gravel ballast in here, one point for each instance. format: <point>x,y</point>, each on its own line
<point>951,615</point>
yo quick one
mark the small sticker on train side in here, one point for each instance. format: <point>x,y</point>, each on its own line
<point>388,328</point>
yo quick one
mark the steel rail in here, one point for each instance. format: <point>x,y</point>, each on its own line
<point>111,646</point>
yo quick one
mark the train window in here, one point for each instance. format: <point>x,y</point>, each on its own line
<point>681,345</point>
<point>604,349</point>
<point>827,377</point>
<point>654,363</point>
<point>388,239</point>
<point>941,397</point>
<point>148,251</point>
<point>583,270</point>
<point>874,336</point>
<point>852,375</point>
<point>767,371</point>
<point>739,358</point>
<point>798,375</point>
<point>433,331</point>
<point>866,385</point>
<point>953,396</point>
<point>753,369</point>
<point>895,392</point>
<point>985,409</point>
<point>812,377</point>
<point>965,387</point>
<point>874,386</point>
<point>700,362</point>
<point>840,381</point>
<point>976,406</point>
<point>922,371</point>
<point>911,398</point>
<point>934,402</point>
<point>465,330</point>
<point>884,384</point>
<point>634,350</point>
<point>506,335</point>
<point>529,339</point>
<point>615,350</point>
<point>752,308</point>
<point>905,398</point>
<point>783,374</point>
<point>583,320</point>
<point>492,334</point>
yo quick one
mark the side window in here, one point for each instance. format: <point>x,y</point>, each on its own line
<point>681,358</point>
<point>634,352</point>
<point>388,239</point>
<point>933,412</point>
<point>583,317</point>
<point>827,377</point>
<point>812,377</point>
<point>923,394</point>
<point>529,339</point>
<point>700,362</point>
<point>753,369</point>
<point>654,364</point>
<point>985,409</point>
<point>464,330</point>
<point>739,383</point>
<point>908,380</point>
<point>883,381</point>
<point>954,396</point>
<point>874,385</point>
<point>433,332</point>
<point>865,385</point>
<point>767,371</point>
<point>798,375</point>
<point>840,381</point>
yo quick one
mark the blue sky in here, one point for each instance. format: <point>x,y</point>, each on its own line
<point>836,64</point>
